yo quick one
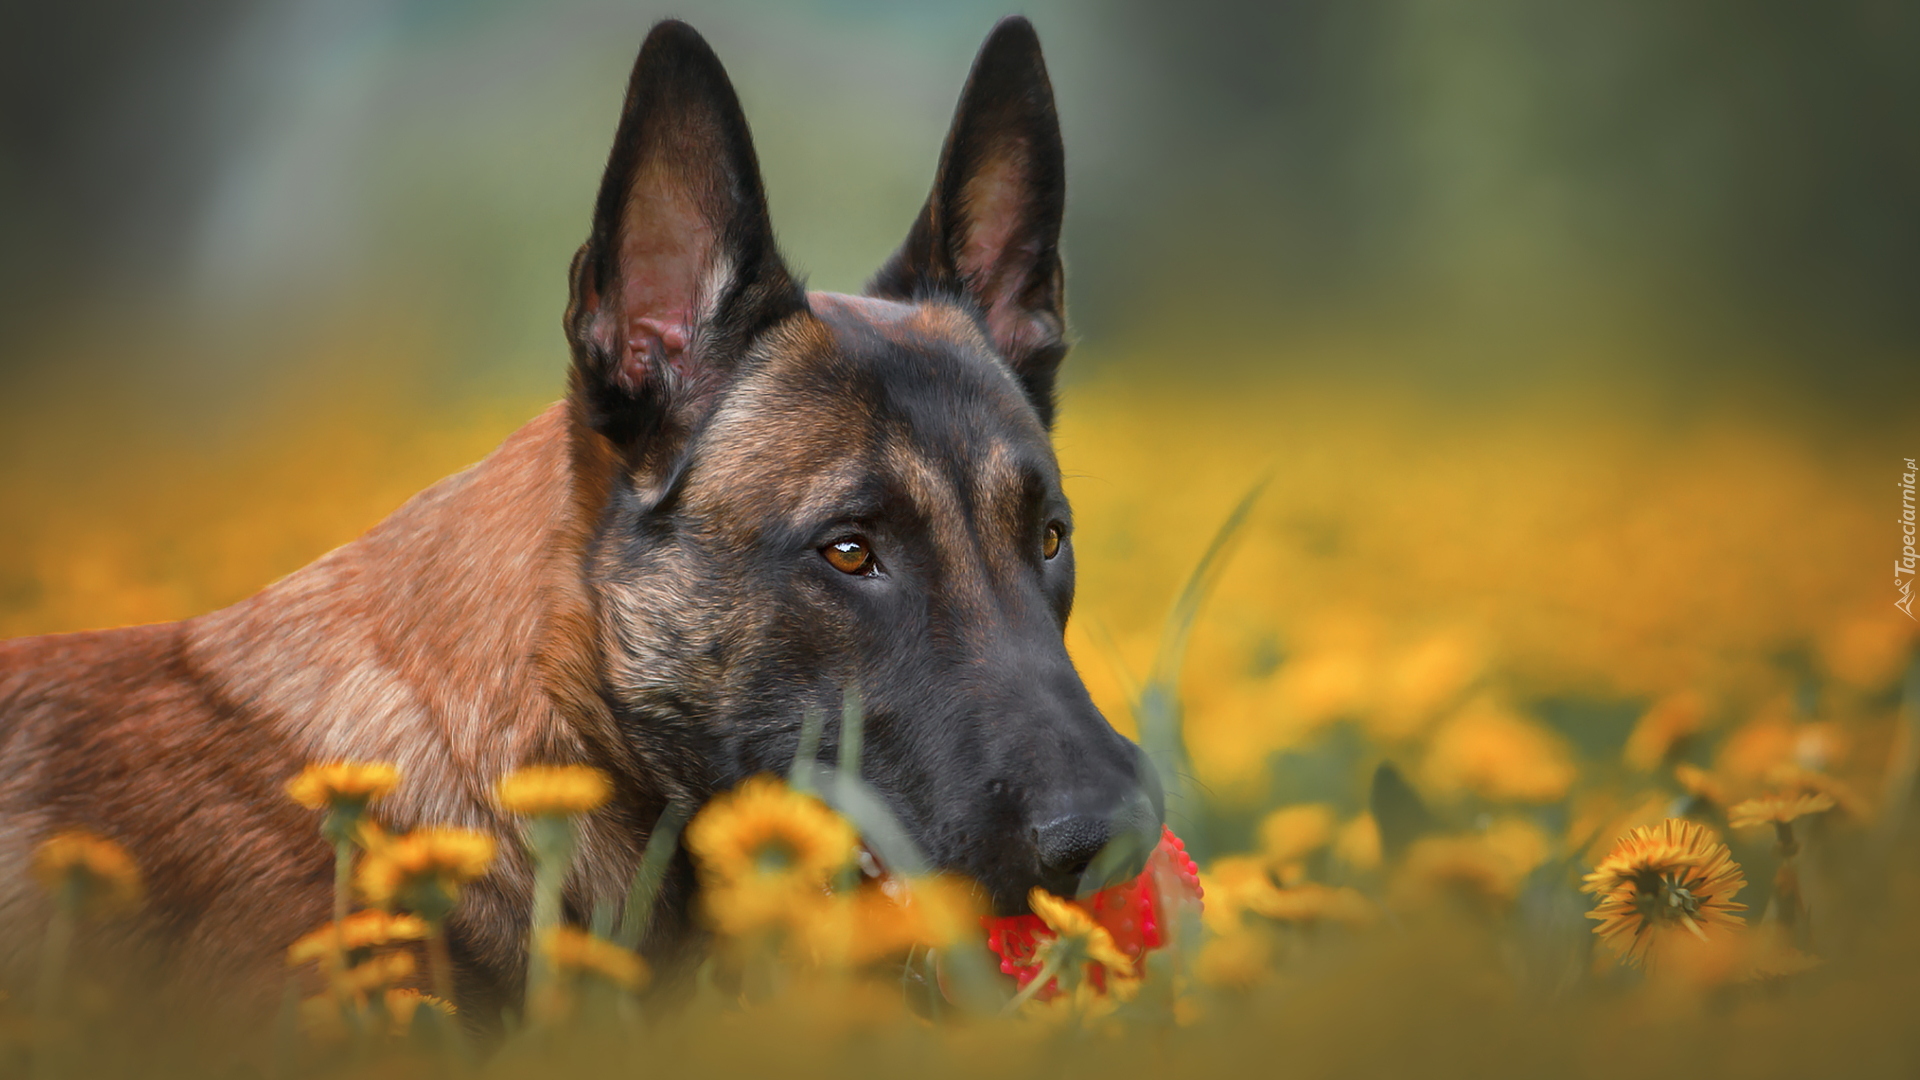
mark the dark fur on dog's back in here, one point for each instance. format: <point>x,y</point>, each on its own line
<point>638,580</point>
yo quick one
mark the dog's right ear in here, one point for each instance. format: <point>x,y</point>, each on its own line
<point>680,273</point>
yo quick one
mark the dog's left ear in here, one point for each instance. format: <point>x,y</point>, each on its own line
<point>990,231</point>
<point>680,273</point>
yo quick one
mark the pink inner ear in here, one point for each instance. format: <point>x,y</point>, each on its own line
<point>991,205</point>
<point>995,264</point>
<point>666,247</point>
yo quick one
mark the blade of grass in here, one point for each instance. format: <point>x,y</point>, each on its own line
<point>969,969</point>
<point>1398,811</point>
<point>858,802</point>
<point>1157,710</point>
<point>661,844</point>
<point>1116,659</point>
<point>1206,574</point>
<point>805,758</point>
<point>852,729</point>
<point>1128,849</point>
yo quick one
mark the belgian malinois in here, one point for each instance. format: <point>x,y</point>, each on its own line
<point>752,500</point>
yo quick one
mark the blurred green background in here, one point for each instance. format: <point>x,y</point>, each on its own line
<point>267,268</point>
<point>1702,198</point>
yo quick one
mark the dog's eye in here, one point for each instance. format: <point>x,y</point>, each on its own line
<point>850,556</point>
<point>1051,545</point>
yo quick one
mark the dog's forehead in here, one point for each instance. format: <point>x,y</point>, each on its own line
<point>866,385</point>
<point>884,331</point>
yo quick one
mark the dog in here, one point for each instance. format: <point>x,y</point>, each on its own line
<point>752,501</point>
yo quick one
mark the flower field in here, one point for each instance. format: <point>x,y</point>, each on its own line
<point>1539,738</point>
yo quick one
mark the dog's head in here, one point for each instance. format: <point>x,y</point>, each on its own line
<point>795,496</point>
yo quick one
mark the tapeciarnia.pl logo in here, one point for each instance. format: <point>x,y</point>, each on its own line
<point>1904,565</point>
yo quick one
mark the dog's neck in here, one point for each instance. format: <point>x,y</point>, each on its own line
<point>455,639</point>
<point>423,642</point>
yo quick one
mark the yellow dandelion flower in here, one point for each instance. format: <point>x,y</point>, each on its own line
<point>1494,752</point>
<point>887,920</point>
<point>1357,844</point>
<point>328,784</point>
<point>423,870</point>
<point>936,911</point>
<point>1090,1006</point>
<point>578,951</point>
<point>371,929</point>
<point>402,1003</point>
<point>1868,653</point>
<point>745,908</point>
<point>1291,833</point>
<point>843,930</point>
<point>1777,809</point>
<point>1120,986</point>
<point>1700,784</point>
<point>1776,959</point>
<point>321,1020</point>
<point>1756,747</point>
<point>554,790</point>
<point>1520,842</point>
<point>1457,868</point>
<point>1235,961</point>
<point>764,831</point>
<point>1083,1005</point>
<point>381,971</point>
<point>1602,817</point>
<point>1674,875</point>
<point>370,836</point>
<point>1423,682</point>
<point>1311,902</point>
<point>1229,882</point>
<point>1227,876</point>
<point>93,873</point>
<point>1663,729</point>
<point>1794,780</point>
<point>1072,924</point>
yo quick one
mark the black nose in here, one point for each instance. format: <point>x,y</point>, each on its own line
<point>1067,845</point>
<point>1081,852</point>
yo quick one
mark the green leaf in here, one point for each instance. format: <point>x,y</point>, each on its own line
<point>661,844</point>
<point>1157,711</point>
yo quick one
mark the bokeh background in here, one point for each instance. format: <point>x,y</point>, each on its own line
<point>1578,343</point>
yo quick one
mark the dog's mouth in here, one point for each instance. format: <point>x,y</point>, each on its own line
<point>871,868</point>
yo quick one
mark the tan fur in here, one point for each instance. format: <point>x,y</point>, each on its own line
<point>763,447</point>
<point>424,642</point>
<point>467,635</point>
<point>964,571</point>
<point>996,496</point>
<point>520,611</point>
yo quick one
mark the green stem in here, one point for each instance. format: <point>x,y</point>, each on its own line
<point>440,963</point>
<point>1048,970</point>
<point>800,775</point>
<point>553,842</point>
<point>342,878</point>
<point>342,885</point>
<point>662,842</point>
<point>852,725</point>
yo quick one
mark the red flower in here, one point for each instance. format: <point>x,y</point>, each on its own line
<point>1136,913</point>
